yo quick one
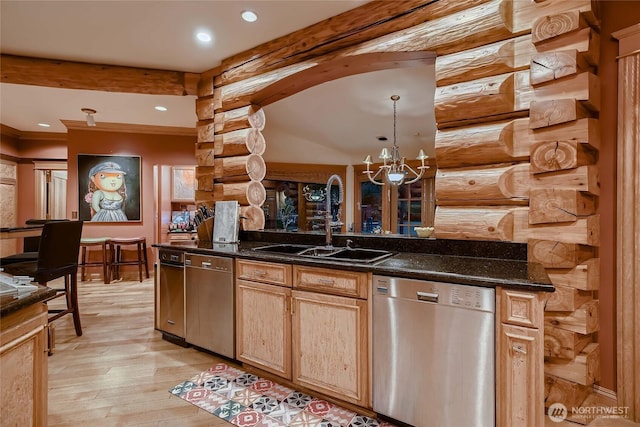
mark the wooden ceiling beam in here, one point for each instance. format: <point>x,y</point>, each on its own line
<point>106,78</point>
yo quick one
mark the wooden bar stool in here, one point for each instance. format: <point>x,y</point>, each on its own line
<point>116,245</point>
<point>103,242</point>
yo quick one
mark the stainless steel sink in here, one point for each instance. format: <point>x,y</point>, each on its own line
<point>283,248</point>
<point>360,254</point>
<point>347,254</point>
<point>323,252</point>
<point>320,251</point>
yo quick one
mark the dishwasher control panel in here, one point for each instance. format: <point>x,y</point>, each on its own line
<point>450,294</point>
<point>215,263</point>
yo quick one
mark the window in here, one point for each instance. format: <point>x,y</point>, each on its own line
<point>396,209</point>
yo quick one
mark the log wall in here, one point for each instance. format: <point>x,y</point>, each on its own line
<point>516,105</point>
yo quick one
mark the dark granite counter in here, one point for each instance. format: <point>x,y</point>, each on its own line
<point>477,263</point>
<point>12,303</point>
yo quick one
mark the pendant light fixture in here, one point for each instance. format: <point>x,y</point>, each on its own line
<point>393,169</point>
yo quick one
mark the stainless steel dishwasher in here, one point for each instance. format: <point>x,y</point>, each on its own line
<point>210,303</point>
<point>433,353</point>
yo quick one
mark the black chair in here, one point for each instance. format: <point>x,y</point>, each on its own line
<point>30,245</point>
<point>57,257</point>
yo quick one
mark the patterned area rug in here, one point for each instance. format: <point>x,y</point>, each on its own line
<point>247,400</point>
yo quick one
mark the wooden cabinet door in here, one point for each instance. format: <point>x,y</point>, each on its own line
<point>263,327</point>
<point>520,388</point>
<point>330,345</point>
<point>24,368</point>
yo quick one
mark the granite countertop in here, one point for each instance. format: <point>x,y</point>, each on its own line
<point>487,264</point>
<point>12,303</point>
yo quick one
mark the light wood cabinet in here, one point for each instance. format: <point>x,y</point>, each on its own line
<point>520,359</point>
<point>330,345</point>
<point>317,340</point>
<point>263,320</point>
<point>23,367</point>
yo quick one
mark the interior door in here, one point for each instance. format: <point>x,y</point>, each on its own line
<point>50,193</point>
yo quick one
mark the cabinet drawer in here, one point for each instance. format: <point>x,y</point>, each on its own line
<point>265,272</point>
<point>522,308</point>
<point>338,282</point>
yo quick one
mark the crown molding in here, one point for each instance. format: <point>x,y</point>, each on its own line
<point>129,128</point>
<point>33,136</point>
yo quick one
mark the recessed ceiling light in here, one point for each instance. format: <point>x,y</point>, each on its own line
<point>44,125</point>
<point>249,16</point>
<point>160,108</point>
<point>203,36</point>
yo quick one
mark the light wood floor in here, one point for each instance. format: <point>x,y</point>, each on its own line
<point>119,372</point>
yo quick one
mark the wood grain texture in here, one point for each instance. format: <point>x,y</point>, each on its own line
<point>474,223</point>
<point>559,205</point>
<point>550,66</point>
<point>585,41</point>
<point>548,113</point>
<point>552,26</point>
<point>554,254</point>
<point>496,142</point>
<point>239,168</point>
<point>497,185</point>
<point>369,21</point>
<point>584,369</point>
<point>584,231</point>
<point>90,376</point>
<point>263,326</point>
<point>584,320</point>
<point>239,143</point>
<point>584,276</point>
<point>488,60</point>
<point>247,116</point>
<point>330,344</point>
<point>252,218</point>
<point>561,344</point>
<point>568,392</point>
<point>204,178</point>
<point>567,299</point>
<point>246,193</point>
<point>553,156</point>
<point>628,223</point>
<point>105,78</point>
<point>522,380</point>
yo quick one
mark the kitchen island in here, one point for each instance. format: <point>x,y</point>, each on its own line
<point>287,307</point>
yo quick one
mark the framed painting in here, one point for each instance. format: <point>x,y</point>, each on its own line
<point>109,188</point>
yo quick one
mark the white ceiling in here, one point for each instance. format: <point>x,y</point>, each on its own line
<point>160,35</point>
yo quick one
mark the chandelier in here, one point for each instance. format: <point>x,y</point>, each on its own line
<point>393,169</point>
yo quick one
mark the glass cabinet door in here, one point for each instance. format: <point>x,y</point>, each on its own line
<point>409,208</point>
<point>370,207</point>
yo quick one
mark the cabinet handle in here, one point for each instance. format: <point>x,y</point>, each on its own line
<point>519,349</point>
<point>206,264</point>
<point>171,322</point>
<point>326,281</point>
<point>259,273</point>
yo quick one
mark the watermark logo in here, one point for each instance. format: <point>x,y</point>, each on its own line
<point>557,412</point>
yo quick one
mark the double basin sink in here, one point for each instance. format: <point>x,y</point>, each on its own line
<point>328,252</point>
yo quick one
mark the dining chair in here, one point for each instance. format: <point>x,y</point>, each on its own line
<point>29,247</point>
<point>57,257</point>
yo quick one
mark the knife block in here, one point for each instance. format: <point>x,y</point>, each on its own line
<point>205,230</point>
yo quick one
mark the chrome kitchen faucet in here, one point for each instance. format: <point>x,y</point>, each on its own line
<point>328,223</point>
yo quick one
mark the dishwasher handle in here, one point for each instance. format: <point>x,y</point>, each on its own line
<point>427,296</point>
